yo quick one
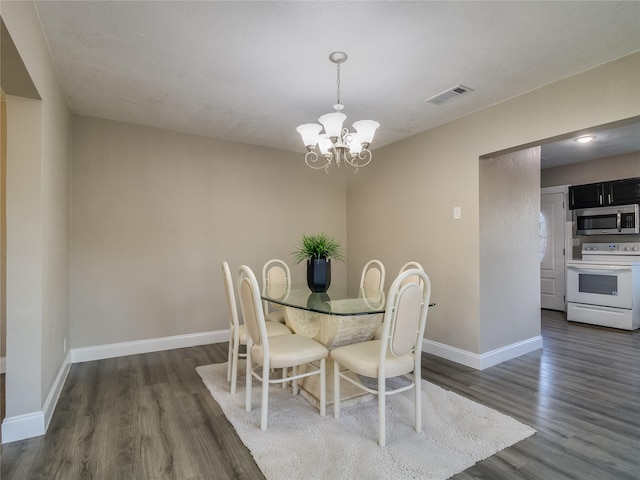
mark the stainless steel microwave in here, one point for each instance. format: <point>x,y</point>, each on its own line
<point>620,220</point>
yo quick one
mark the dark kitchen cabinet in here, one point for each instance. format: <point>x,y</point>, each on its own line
<point>602,194</point>
<point>624,192</point>
<point>586,196</point>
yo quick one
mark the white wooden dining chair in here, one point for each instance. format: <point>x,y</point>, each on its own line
<point>237,332</point>
<point>276,280</point>
<point>409,265</point>
<point>284,351</point>
<point>372,278</point>
<point>397,353</point>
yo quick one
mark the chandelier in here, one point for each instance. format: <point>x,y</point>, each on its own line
<point>336,144</point>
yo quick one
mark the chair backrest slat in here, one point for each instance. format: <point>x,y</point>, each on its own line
<point>372,278</point>
<point>251,305</point>
<point>406,319</point>
<point>227,280</point>
<point>406,313</point>
<point>407,266</point>
<point>276,280</point>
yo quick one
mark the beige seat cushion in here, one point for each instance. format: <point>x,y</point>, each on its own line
<point>362,358</point>
<point>288,350</point>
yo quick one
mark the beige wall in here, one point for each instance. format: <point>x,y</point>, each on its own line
<point>603,169</point>
<point>155,212</point>
<point>24,256</point>
<point>3,224</point>
<point>509,267</point>
<point>38,159</point>
<point>400,207</point>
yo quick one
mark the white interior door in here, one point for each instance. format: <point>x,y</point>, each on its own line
<point>552,249</point>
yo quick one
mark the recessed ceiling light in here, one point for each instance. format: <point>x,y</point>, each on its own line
<point>585,139</point>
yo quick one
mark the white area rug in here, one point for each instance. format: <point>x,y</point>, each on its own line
<point>299,444</point>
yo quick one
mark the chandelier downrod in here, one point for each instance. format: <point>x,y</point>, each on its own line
<point>338,58</point>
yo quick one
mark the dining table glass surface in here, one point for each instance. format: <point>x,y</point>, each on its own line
<point>341,316</point>
<point>338,300</point>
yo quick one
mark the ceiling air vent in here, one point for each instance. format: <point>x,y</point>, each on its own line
<point>450,94</point>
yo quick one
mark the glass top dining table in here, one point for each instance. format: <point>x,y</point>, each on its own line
<point>341,316</point>
<point>338,300</point>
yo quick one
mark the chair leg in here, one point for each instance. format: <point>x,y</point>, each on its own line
<point>234,367</point>
<point>418,400</point>
<point>264,408</point>
<point>285,372</point>
<point>323,387</point>
<point>229,357</point>
<point>382,397</point>
<point>336,390</point>
<point>294,381</point>
<point>248,380</point>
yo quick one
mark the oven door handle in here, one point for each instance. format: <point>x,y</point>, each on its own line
<point>600,268</point>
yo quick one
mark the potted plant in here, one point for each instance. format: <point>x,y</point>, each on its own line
<point>318,251</point>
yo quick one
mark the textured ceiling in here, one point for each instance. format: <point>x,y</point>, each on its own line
<point>252,71</point>
<point>608,142</point>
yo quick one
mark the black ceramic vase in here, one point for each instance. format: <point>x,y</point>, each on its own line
<point>318,274</point>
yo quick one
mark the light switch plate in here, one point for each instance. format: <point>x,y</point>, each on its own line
<point>457,213</point>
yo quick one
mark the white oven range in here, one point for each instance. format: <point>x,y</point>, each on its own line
<point>604,287</point>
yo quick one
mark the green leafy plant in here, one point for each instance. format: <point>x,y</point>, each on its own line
<point>318,246</point>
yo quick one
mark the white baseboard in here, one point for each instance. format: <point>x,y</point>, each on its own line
<point>3,365</point>
<point>34,424</point>
<point>100,352</point>
<point>21,427</point>
<point>56,389</point>
<point>485,360</point>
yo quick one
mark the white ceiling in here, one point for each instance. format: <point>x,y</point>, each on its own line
<point>252,71</point>
<point>608,142</point>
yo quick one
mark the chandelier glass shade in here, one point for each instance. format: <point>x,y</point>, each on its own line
<point>336,145</point>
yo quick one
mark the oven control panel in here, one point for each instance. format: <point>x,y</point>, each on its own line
<point>631,248</point>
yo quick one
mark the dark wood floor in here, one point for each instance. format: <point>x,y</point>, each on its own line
<point>150,417</point>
